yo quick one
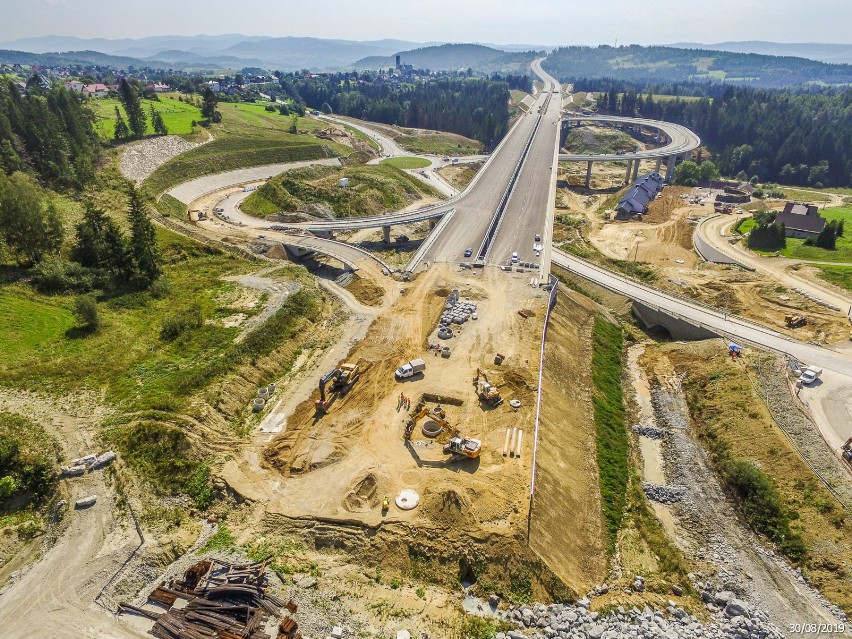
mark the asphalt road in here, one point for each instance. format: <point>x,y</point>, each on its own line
<point>476,209</point>
<point>527,213</point>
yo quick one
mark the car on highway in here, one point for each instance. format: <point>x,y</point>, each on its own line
<point>515,258</point>
<point>538,237</point>
<point>468,252</point>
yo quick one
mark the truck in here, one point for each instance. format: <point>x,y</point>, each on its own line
<point>410,369</point>
<point>810,375</point>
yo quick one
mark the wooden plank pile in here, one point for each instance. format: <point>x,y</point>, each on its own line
<point>224,601</point>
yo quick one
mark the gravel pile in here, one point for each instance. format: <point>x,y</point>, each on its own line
<point>664,494</point>
<point>649,431</point>
<point>732,617</point>
<point>141,159</point>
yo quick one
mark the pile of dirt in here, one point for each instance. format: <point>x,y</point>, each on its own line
<point>366,291</point>
<point>363,495</point>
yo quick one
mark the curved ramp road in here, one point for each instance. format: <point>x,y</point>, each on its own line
<point>729,325</point>
<point>682,140</point>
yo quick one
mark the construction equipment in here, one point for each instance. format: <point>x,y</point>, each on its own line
<point>341,380</point>
<point>324,401</point>
<point>846,451</point>
<point>385,504</point>
<point>459,445</point>
<point>795,321</point>
<point>487,392</point>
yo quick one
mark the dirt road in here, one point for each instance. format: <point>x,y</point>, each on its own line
<point>717,233</point>
<point>55,597</point>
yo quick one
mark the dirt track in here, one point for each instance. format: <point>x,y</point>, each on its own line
<point>55,597</point>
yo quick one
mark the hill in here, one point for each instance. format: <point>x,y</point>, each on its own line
<point>831,53</point>
<point>456,56</point>
<point>671,64</point>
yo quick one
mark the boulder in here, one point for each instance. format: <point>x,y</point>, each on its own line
<point>736,608</point>
<point>722,598</point>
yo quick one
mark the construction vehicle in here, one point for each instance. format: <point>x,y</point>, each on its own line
<point>341,380</point>
<point>385,504</point>
<point>810,375</point>
<point>487,392</point>
<point>410,369</point>
<point>846,451</point>
<point>459,445</point>
<point>795,321</point>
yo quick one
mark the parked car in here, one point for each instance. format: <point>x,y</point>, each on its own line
<point>468,252</point>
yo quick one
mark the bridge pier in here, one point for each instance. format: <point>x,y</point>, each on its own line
<point>433,222</point>
<point>589,175</point>
<point>659,162</point>
<point>670,167</point>
<point>627,175</point>
<point>386,234</point>
<point>635,169</point>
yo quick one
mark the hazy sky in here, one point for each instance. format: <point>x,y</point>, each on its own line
<point>498,21</point>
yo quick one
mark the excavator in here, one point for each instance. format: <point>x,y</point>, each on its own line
<point>341,380</point>
<point>458,444</point>
<point>487,392</point>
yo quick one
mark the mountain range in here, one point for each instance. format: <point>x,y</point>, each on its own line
<point>831,53</point>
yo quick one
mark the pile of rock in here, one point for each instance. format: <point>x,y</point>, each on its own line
<point>649,431</point>
<point>80,465</point>
<point>664,494</point>
<point>736,619</point>
<point>140,160</point>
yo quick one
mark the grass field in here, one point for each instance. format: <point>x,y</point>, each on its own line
<point>408,163</point>
<point>372,189</point>
<point>599,140</point>
<point>247,136</point>
<point>178,116</point>
<point>842,253</point>
<point>610,422</point>
<point>839,275</point>
<point>735,426</point>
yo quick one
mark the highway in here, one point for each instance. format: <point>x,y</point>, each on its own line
<point>682,140</point>
<point>529,212</point>
<point>474,211</point>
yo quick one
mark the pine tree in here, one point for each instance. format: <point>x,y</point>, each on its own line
<point>143,240</point>
<point>133,107</point>
<point>100,243</point>
<point>157,122</point>
<point>121,130</point>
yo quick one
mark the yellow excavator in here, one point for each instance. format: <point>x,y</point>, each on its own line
<point>488,393</point>
<point>341,380</point>
<point>458,444</point>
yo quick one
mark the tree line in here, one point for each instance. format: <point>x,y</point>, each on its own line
<point>473,107</point>
<point>791,138</point>
<point>47,133</point>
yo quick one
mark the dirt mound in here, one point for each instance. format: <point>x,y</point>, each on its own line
<point>277,252</point>
<point>366,291</point>
<point>446,505</point>
<point>363,496</point>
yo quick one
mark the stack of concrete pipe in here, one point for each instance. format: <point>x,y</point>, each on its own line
<point>455,312</point>
<point>513,444</point>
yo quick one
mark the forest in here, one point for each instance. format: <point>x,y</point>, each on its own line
<point>781,136</point>
<point>473,107</point>
<point>669,64</point>
<point>48,133</point>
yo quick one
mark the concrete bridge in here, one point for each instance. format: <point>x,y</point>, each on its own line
<point>681,142</point>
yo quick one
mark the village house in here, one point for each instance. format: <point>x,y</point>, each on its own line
<point>800,220</point>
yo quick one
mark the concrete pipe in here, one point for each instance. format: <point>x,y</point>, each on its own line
<point>431,428</point>
<point>258,404</point>
<point>262,392</point>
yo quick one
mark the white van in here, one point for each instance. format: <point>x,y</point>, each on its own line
<point>515,258</point>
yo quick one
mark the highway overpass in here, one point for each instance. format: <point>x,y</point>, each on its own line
<point>681,143</point>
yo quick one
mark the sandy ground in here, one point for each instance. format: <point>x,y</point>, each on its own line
<point>327,460</point>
